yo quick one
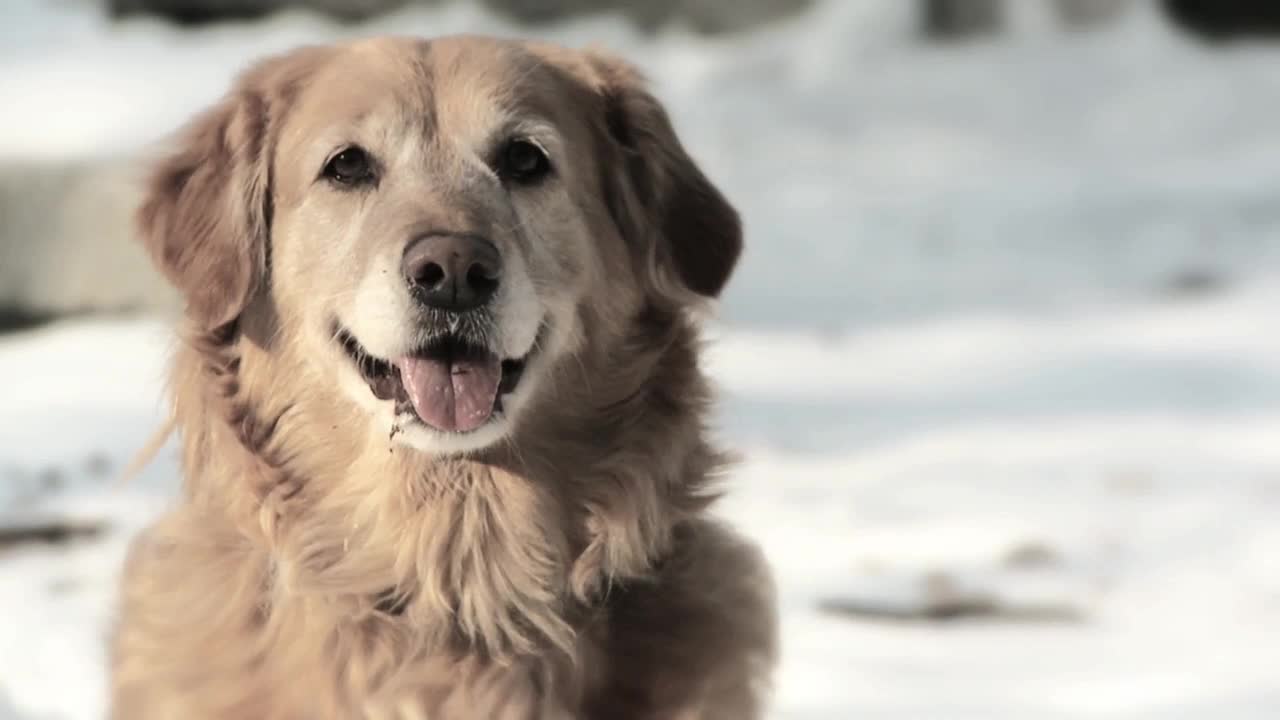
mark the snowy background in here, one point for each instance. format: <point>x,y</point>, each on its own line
<point>1003,355</point>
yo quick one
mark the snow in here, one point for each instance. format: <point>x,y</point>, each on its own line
<point>1129,458</point>
<point>962,357</point>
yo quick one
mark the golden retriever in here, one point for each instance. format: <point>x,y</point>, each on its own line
<point>441,409</point>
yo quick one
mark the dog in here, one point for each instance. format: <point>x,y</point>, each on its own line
<point>443,424</point>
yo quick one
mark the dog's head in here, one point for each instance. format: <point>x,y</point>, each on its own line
<point>428,220</point>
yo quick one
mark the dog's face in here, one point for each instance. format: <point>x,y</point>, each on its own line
<point>427,221</point>
<point>445,223</point>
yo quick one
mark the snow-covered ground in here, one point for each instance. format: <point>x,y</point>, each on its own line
<point>1002,355</point>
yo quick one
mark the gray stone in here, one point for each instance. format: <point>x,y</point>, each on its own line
<point>952,19</point>
<point>647,14</point>
<point>727,16</point>
<point>709,16</point>
<point>1089,13</point>
<point>67,241</point>
<point>203,11</point>
<point>1225,20</point>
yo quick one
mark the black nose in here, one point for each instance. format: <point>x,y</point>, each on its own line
<point>452,272</point>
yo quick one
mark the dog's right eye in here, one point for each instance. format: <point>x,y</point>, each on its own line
<point>349,167</point>
<point>523,161</point>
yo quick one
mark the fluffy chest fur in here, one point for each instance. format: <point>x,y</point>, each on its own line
<point>397,580</point>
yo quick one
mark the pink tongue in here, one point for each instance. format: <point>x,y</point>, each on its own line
<point>453,395</point>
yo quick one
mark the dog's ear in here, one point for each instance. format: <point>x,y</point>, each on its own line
<point>206,212</point>
<point>699,235</point>
<point>205,215</point>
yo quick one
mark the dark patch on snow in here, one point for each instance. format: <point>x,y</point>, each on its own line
<point>47,531</point>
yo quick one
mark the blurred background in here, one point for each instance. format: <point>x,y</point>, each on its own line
<point>1002,355</point>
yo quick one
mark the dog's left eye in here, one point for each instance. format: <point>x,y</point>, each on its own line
<point>349,167</point>
<point>522,161</point>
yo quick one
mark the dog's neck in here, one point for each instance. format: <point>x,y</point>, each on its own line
<point>502,553</point>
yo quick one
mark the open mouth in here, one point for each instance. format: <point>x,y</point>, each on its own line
<point>451,384</point>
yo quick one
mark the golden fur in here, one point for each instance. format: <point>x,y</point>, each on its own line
<point>323,564</point>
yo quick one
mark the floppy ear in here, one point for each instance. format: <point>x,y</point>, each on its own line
<point>699,235</point>
<point>206,215</point>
